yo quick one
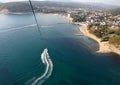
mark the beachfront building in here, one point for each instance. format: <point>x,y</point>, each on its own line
<point>68,15</point>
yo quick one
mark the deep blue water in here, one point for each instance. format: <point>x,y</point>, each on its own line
<point>74,58</point>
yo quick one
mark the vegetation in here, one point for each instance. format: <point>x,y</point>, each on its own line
<point>99,31</point>
<point>90,26</point>
<point>115,11</point>
<point>105,33</point>
<point>115,40</point>
<point>16,7</point>
<point>79,19</point>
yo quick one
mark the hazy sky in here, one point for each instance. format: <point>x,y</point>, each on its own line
<point>114,2</point>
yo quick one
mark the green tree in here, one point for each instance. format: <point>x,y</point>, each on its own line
<point>115,40</point>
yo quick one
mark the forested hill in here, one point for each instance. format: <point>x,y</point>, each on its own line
<point>1,4</point>
<point>15,7</point>
<point>115,11</point>
<point>45,6</point>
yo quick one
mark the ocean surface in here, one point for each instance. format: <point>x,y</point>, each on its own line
<point>70,60</point>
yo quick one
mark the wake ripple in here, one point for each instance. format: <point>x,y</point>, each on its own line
<point>49,68</point>
<point>22,27</point>
<point>17,28</point>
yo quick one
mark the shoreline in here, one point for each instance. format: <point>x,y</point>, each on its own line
<point>52,14</point>
<point>104,47</point>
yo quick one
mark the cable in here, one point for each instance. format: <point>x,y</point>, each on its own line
<point>31,5</point>
<point>43,39</point>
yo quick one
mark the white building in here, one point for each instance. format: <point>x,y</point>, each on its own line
<point>68,16</point>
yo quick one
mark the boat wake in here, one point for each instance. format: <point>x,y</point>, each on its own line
<point>22,27</point>
<point>49,68</point>
<point>45,26</point>
<point>17,28</point>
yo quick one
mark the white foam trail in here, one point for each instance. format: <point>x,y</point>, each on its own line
<point>49,68</point>
<point>46,26</point>
<point>25,26</point>
<point>17,28</point>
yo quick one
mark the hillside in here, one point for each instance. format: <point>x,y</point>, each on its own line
<point>115,11</point>
<point>1,4</point>
<point>47,6</point>
<point>16,7</point>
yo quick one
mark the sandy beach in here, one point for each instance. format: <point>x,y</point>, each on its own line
<point>104,47</point>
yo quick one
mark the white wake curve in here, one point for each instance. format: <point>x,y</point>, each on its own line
<point>49,68</point>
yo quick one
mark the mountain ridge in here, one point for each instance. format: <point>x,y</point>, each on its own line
<point>24,6</point>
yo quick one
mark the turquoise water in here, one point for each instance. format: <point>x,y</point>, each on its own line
<point>73,57</point>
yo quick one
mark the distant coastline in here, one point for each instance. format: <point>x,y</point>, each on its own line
<point>19,13</point>
<point>52,14</point>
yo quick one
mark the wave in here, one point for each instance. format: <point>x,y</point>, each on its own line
<point>17,28</point>
<point>49,68</point>
<point>22,27</point>
<point>45,26</point>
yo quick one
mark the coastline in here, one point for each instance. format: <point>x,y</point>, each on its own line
<point>51,14</point>
<point>104,47</point>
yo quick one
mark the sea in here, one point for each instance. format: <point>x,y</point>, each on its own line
<point>52,54</point>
